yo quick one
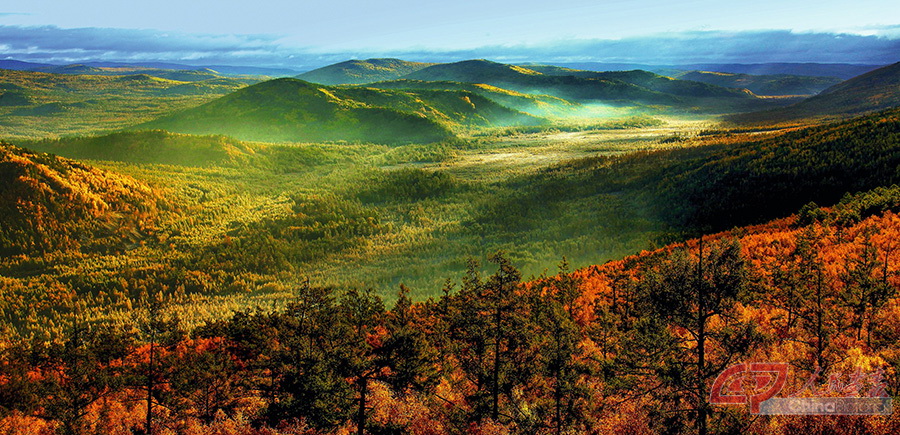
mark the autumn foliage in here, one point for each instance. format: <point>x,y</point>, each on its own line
<point>630,346</point>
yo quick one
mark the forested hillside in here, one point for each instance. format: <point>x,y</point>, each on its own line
<point>49,203</point>
<point>611,348</point>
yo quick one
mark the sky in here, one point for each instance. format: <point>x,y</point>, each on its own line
<point>307,33</point>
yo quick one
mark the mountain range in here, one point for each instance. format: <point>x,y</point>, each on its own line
<point>293,110</point>
<point>872,91</point>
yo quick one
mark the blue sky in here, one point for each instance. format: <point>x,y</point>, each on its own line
<point>305,33</point>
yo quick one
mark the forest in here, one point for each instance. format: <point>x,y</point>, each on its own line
<point>199,254</point>
<point>628,346</point>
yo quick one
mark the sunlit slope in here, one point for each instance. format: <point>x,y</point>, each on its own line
<point>529,81</point>
<point>354,72</point>
<point>649,80</point>
<point>38,104</point>
<point>622,88</point>
<point>49,203</point>
<point>150,147</point>
<point>722,182</point>
<point>875,90</point>
<point>295,110</point>
<point>534,104</point>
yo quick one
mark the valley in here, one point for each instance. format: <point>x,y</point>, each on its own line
<point>421,237</point>
<point>186,252</point>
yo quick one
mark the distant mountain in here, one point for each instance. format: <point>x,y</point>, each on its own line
<point>526,80</point>
<point>21,66</point>
<point>876,90</point>
<point>154,147</point>
<point>49,203</point>
<point>668,85</point>
<point>226,70</point>
<point>534,104</point>
<point>296,111</point>
<point>229,70</point>
<point>181,75</point>
<point>354,72</point>
<point>839,70</point>
<point>771,85</point>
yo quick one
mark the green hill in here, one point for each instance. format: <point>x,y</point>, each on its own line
<point>722,183</point>
<point>687,90</point>
<point>296,111</point>
<point>15,98</point>
<point>49,203</point>
<point>875,90</point>
<point>632,87</point>
<point>354,72</point>
<point>668,85</point>
<point>155,146</point>
<point>770,85</point>
<point>52,105</point>
<point>534,104</point>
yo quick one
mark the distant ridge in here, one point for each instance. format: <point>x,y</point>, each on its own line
<point>770,84</point>
<point>530,81</point>
<point>875,90</point>
<point>353,72</point>
<point>839,70</point>
<point>230,70</point>
<point>293,110</point>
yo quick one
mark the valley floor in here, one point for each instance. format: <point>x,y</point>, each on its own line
<point>242,235</point>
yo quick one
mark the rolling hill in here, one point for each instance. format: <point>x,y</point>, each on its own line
<point>525,80</point>
<point>534,104</point>
<point>153,147</point>
<point>40,104</point>
<point>353,72</point>
<point>839,70</point>
<point>872,91</point>
<point>50,203</point>
<point>770,85</point>
<point>170,74</point>
<point>295,111</point>
<point>723,183</point>
<point>649,80</point>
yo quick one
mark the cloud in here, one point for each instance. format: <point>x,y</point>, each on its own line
<point>701,47</point>
<point>57,45</point>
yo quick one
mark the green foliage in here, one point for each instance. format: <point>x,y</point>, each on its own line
<point>290,110</point>
<point>52,105</point>
<point>769,84</point>
<point>50,203</point>
<point>405,185</point>
<point>320,225</point>
<point>361,71</point>
<point>875,90</point>
<point>148,147</point>
<point>721,187</point>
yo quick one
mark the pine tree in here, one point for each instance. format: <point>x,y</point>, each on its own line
<point>688,293</point>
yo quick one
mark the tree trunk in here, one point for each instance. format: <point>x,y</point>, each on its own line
<point>150,376</point>
<point>495,376</point>
<point>361,411</point>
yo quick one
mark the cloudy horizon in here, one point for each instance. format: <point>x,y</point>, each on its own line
<point>290,35</point>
